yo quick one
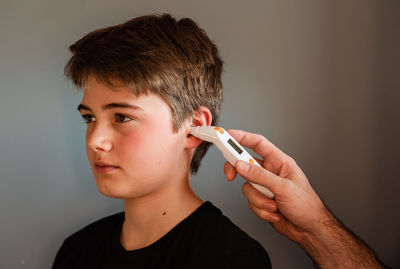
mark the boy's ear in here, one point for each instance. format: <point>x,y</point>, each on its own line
<point>201,116</point>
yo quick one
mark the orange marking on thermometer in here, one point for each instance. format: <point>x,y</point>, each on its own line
<point>219,129</point>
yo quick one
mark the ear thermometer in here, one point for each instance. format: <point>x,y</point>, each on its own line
<point>229,147</point>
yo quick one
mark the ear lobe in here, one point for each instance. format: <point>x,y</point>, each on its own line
<point>201,116</point>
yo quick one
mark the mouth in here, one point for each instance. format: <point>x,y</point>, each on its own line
<point>104,167</point>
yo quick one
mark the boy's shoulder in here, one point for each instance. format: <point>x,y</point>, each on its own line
<point>235,246</point>
<point>91,236</point>
<point>98,227</point>
<point>215,223</point>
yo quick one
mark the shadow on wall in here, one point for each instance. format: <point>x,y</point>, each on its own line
<point>387,133</point>
<point>362,121</point>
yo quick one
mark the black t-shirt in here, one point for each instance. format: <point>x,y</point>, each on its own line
<point>205,239</point>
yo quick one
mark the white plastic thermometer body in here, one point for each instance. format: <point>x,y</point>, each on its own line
<point>229,147</point>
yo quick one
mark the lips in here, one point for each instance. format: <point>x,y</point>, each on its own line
<point>102,167</point>
<point>101,164</point>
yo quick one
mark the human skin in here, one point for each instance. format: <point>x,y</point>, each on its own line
<point>150,160</point>
<point>297,211</point>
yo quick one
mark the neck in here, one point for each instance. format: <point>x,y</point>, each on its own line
<point>149,218</point>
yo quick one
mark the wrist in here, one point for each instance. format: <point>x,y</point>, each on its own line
<point>318,240</point>
<point>332,245</point>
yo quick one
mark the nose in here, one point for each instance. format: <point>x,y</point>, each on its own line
<point>99,138</point>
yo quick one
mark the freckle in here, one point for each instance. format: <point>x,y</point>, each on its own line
<point>164,213</point>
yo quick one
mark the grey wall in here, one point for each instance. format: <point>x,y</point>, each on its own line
<point>320,79</point>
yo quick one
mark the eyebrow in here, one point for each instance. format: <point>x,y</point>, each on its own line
<point>110,106</point>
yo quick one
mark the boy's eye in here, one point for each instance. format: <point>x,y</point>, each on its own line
<point>88,118</point>
<point>122,118</point>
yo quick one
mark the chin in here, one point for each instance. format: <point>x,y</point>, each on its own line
<point>118,191</point>
<point>116,194</point>
<point>112,194</point>
<point>111,189</point>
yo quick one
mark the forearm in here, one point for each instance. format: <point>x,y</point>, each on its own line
<point>334,246</point>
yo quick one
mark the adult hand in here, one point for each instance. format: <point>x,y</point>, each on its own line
<point>297,208</point>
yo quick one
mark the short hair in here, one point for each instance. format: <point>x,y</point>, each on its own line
<point>158,54</point>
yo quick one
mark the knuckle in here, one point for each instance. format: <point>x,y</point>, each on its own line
<point>292,161</point>
<point>288,164</point>
<point>271,206</point>
<point>263,215</point>
<point>261,138</point>
<point>257,172</point>
<point>259,213</point>
<point>264,140</point>
<point>287,161</point>
<point>287,186</point>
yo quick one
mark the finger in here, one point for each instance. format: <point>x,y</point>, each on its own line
<point>229,171</point>
<point>259,175</point>
<point>264,214</point>
<point>258,143</point>
<point>273,156</point>
<point>257,199</point>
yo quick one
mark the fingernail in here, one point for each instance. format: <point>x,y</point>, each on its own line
<point>243,166</point>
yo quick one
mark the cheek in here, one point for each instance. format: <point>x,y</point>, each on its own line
<point>137,147</point>
<point>89,152</point>
<point>152,145</point>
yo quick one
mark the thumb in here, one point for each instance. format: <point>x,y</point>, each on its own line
<point>259,175</point>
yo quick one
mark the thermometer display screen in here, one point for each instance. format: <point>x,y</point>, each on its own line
<point>233,144</point>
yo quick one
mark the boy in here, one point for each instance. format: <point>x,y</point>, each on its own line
<point>145,83</point>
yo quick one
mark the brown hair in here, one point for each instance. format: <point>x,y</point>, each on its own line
<point>157,54</point>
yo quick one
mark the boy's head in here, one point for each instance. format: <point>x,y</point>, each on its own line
<point>154,54</point>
